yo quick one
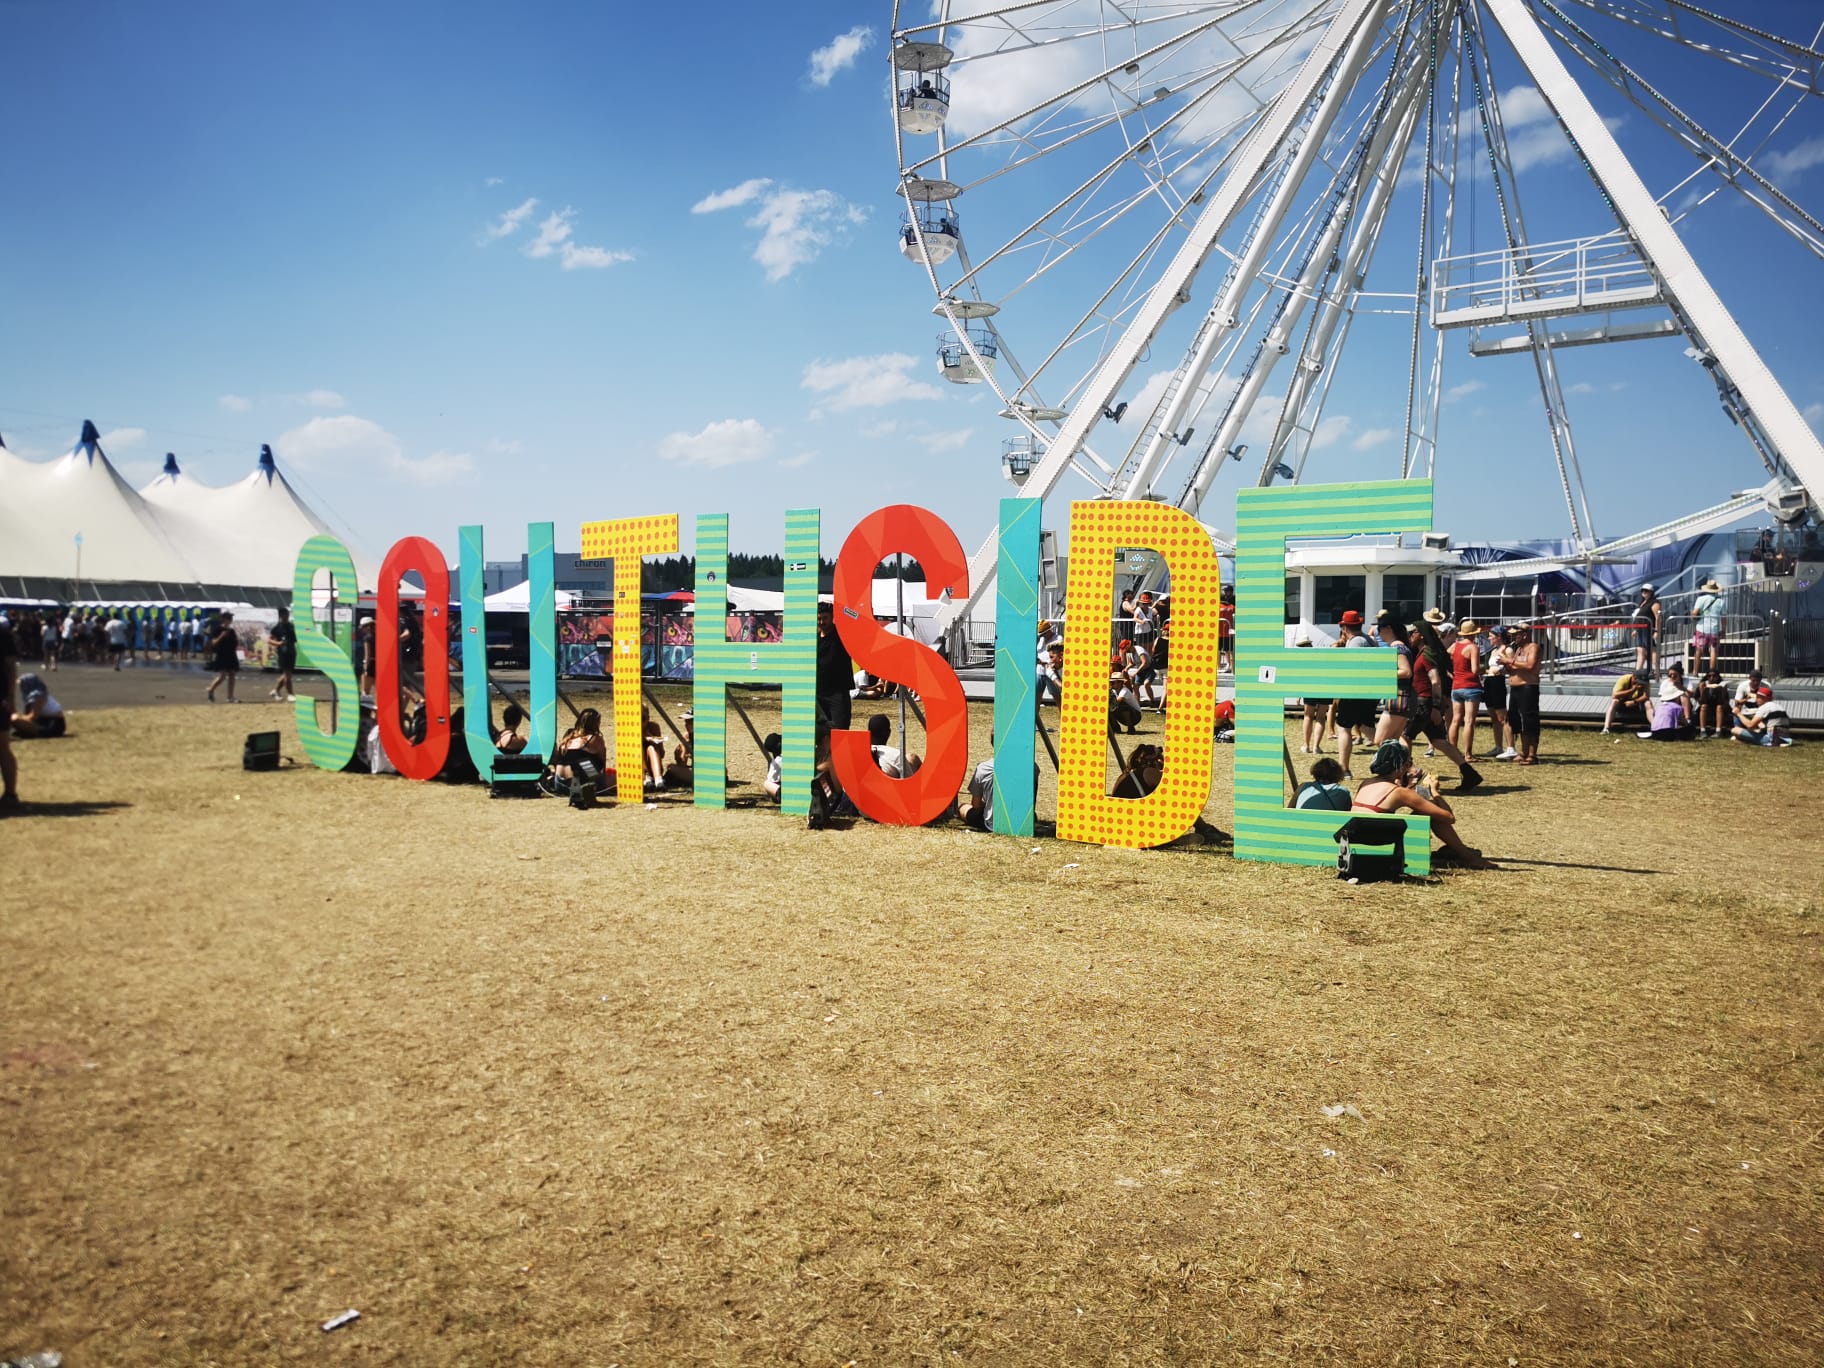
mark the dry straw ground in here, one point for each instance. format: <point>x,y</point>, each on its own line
<point>532,1085</point>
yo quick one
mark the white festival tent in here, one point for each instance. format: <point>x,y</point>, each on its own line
<point>77,515</point>
<point>518,599</point>
<point>248,532</point>
<point>75,518</point>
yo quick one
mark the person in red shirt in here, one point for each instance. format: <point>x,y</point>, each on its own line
<point>1465,687</point>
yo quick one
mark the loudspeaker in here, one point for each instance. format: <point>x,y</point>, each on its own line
<point>516,776</point>
<point>261,751</point>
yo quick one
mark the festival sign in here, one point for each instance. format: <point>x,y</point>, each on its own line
<point>1266,672</point>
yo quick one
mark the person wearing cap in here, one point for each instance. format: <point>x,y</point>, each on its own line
<point>1745,691</point>
<point>1707,628</point>
<point>1674,712</point>
<point>43,715</point>
<point>1465,687</point>
<point>1630,692</point>
<point>1763,724</point>
<point>1648,614</point>
<point>1049,635</point>
<point>1395,785</point>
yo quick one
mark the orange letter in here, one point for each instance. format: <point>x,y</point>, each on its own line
<point>927,538</point>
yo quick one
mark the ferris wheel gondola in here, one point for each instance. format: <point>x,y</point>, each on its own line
<point>1207,189</point>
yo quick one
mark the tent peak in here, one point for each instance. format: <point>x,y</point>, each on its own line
<point>171,463</point>
<point>268,467</point>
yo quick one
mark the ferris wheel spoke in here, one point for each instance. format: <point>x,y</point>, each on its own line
<point>1786,60</point>
<point>1715,154</point>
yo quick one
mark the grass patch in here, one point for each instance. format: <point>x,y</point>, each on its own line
<point>647,1086</point>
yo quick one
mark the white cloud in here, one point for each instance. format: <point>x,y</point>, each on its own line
<point>1463,391</point>
<point>803,458</point>
<point>1813,414</point>
<point>235,403</point>
<point>1794,160</point>
<point>1329,431</point>
<point>1581,387</point>
<point>554,240</point>
<point>937,443</point>
<point>866,381</point>
<point>508,223</point>
<point>439,468</point>
<point>348,442</point>
<point>320,398</point>
<point>493,181</point>
<point>745,193</point>
<point>506,446</point>
<point>796,225</point>
<point>122,439</point>
<point>732,441</point>
<point>840,55</point>
<point>1370,438</point>
<point>884,427</point>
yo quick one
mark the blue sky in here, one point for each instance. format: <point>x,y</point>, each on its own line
<point>444,258</point>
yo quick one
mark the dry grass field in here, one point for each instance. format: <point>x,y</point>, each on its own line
<point>650,1085</point>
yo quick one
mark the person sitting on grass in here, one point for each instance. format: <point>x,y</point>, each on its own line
<point>1673,712</point>
<point>1325,791</point>
<point>653,742</point>
<point>1763,724</point>
<point>1629,694</point>
<point>888,759</point>
<point>43,715</point>
<point>582,758</point>
<point>681,774</point>
<point>1396,785</point>
<point>507,740</point>
<point>774,748</point>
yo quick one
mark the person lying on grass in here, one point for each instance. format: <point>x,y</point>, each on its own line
<point>1396,785</point>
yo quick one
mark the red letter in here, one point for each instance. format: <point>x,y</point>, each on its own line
<point>927,538</point>
<point>424,760</point>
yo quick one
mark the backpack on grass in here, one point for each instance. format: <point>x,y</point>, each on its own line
<point>1359,865</point>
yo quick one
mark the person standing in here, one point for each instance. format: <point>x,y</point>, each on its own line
<point>1707,631</point>
<point>284,639</point>
<point>1523,693</point>
<point>835,672</point>
<point>224,656</point>
<point>117,638</point>
<point>1648,615</point>
<point>52,640</point>
<point>1494,692</point>
<point>1352,714</point>
<point>9,766</point>
<point>1466,688</point>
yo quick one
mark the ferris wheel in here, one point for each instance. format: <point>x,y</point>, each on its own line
<point>1152,228</point>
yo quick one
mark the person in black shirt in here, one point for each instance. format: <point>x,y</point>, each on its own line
<point>834,675</point>
<point>9,766</point>
<point>284,639</point>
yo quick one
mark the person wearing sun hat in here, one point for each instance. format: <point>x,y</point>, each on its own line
<point>1465,687</point>
<point>1707,628</point>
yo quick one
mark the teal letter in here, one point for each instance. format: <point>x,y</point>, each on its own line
<point>542,620</point>
<point>1016,635</point>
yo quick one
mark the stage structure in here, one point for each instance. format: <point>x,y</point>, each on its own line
<point>1196,194</point>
